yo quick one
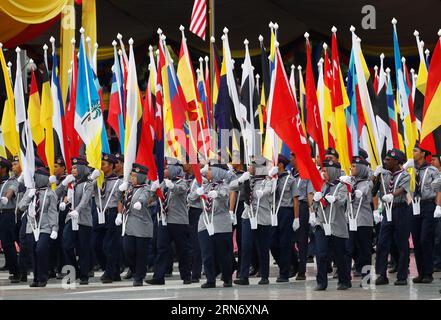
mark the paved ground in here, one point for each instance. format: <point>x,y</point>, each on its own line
<point>174,289</point>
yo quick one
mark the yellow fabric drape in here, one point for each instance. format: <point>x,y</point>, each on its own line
<point>32,11</point>
<point>67,33</point>
<point>89,20</point>
<point>10,28</point>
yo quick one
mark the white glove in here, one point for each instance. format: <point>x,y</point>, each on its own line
<point>273,171</point>
<point>200,191</point>
<point>69,178</point>
<point>137,206</point>
<point>377,217</point>
<point>296,224</point>
<point>155,185</point>
<point>317,196</point>
<point>259,194</point>
<point>204,170</point>
<point>52,179</point>
<point>330,198</point>
<point>437,213</point>
<point>169,184</point>
<point>388,198</point>
<point>123,186</point>
<point>95,174</point>
<point>231,215</point>
<point>62,206</point>
<point>118,220</point>
<point>312,218</point>
<point>73,214</point>
<point>212,194</point>
<point>70,194</point>
<point>54,235</point>
<point>244,177</point>
<point>4,201</point>
<point>378,170</point>
<point>358,194</point>
<point>20,179</point>
<point>409,164</point>
<point>346,179</point>
<point>31,192</point>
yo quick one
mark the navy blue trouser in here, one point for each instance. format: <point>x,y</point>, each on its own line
<point>136,251</point>
<point>178,233</point>
<point>324,245</point>
<point>437,244</point>
<point>302,235</point>
<point>56,247</point>
<point>360,241</point>
<point>98,234</point>
<point>111,243</point>
<point>77,243</point>
<point>39,254</point>
<point>398,230</point>
<point>423,237</point>
<point>24,261</point>
<point>217,249</point>
<point>263,236</point>
<point>7,237</point>
<point>195,251</point>
<point>283,240</point>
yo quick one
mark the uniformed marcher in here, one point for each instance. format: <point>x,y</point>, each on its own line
<point>173,225</point>
<point>360,240</point>
<point>8,196</point>
<point>40,205</point>
<point>436,185</point>
<point>331,229</point>
<point>137,220</point>
<point>109,201</point>
<point>422,220</point>
<point>216,246</point>
<point>78,227</point>
<point>257,212</point>
<point>395,224</point>
<point>287,223</point>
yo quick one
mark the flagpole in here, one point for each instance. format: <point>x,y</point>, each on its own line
<point>211,30</point>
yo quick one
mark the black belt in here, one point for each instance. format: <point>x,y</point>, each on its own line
<point>7,211</point>
<point>427,201</point>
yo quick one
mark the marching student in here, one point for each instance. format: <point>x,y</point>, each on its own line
<point>422,221</point>
<point>109,201</point>
<point>395,185</point>
<point>330,227</point>
<point>215,225</point>
<point>137,220</point>
<point>173,225</point>
<point>40,205</point>
<point>257,211</point>
<point>78,228</point>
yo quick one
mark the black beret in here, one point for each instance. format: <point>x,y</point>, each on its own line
<point>359,160</point>
<point>119,157</point>
<point>397,155</point>
<point>80,160</point>
<point>138,168</point>
<point>109,158</point>
<point>362,153</point>
<point>60,161</point>
<point>417,146</point>
<point>331,164</point>
<point>282,159</point>
<point>5,163</point>
<point>331,152</point>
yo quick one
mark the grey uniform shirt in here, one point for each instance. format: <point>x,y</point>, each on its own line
<point>177,211</point>
<point>401,179</point>
<point>265,203</point>
<point>365,217</point>
<point>5,186</point>
<point>339,227</point>
<point>426,176</point>
<point>81,203</point>
<point>48,210</point>
<point>111,195</point>
<point>286,191</point>
<point>139,222</point>
<point>220,209</point>
<point>303,188</point>
<point>436,183</point>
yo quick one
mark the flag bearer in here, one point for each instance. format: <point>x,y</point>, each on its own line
<point>330,205</point>
<point>422,220</point>
<point>78,227</point>
<point>259,202</point>
<point>109,201</point>
<point>138,228</point>
<point>42,224</point>
<point>218,247</point>
<point>395,185</point>
<point>176,226</point>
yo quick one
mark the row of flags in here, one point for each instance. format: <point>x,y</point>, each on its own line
<point>184,113</point>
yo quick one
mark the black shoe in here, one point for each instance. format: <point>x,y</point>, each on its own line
<point>400,283</point>
<point>106,279</point>
<point>253,271</point>
<point>15,278</point>
<point>34,285</point>
<point>41,284</point>
<point>320,288</point>
<point>187,281</point>
<point>418,279</point>
<point>155,281</point>
<point>84,282</point>
<point>128,275</point>
<point>282,280</point>
<point>228,284</point>
<point>301,276</point>
<point>381,281</point>
<point>427,279</point>
<point>4,268</point>
<point>263,281</point>
<point>195,280</point>
<point>208,285</point>
<point>393,270</point>
<point>137,283</point>
<point>117,278</point>
<point>342,287</point>
<point>242,282</point>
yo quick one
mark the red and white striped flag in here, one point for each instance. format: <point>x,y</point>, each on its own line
<point>199,18</point>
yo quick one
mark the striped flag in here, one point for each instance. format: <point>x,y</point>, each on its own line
<point>198,21</point>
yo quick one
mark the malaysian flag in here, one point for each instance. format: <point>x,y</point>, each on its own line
<point>199,18</point>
